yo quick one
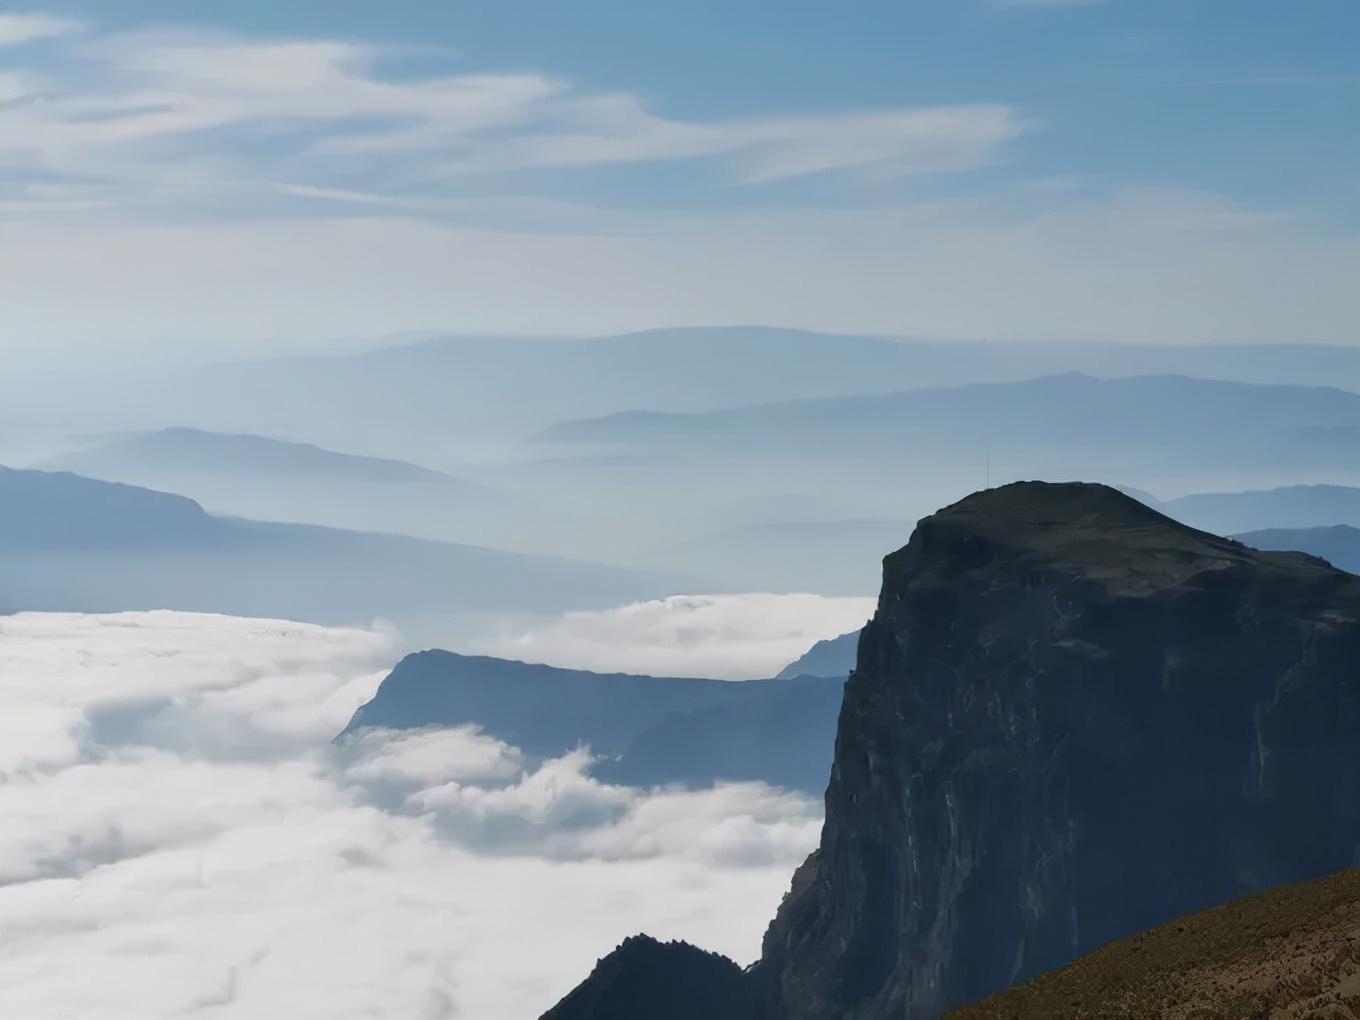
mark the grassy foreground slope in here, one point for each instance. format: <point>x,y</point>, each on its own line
<point>1292,952</point>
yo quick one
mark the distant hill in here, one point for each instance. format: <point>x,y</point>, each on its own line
<point>833,657</point>
<point>264,478</point>
<point>1338,545</point>
<point>458,390</point>
<point>1290,952</point>
<point>651,730</point>
<point>185,451</point>
<point>1292,506</point>
<point>77,544</point>
<point>1175,417</point>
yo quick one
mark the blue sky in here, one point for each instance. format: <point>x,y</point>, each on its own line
<point>657,142</point>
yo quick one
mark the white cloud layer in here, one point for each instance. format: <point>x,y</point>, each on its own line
<point>180,837</point>
<point>731,637</point>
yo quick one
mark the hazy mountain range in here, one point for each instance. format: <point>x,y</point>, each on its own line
<point>1292,506</point>
<point>265,478</point>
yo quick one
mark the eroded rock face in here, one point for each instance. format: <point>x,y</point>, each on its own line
<point>1071,720</point>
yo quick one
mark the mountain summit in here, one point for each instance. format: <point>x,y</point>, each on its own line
<point>1072,719</point>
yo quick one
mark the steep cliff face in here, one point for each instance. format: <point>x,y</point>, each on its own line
<point>1072,719</point>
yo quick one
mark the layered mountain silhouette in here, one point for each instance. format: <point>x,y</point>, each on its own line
<point>270,479</point>
<point>1289,507</point>
<point>461,382</point>
<point>1072,412</point>
<point>647,730</point>
<point>188,451</point>
<point>1072,719</point>
<point>69,543</point>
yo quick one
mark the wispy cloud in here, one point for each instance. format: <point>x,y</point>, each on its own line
<point>179,117</point>
<point>16,29</point>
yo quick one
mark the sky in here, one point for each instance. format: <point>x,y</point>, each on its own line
<point>178,178</point>
<point>182,835</point>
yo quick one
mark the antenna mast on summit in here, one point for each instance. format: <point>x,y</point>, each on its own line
<point>989,458</point>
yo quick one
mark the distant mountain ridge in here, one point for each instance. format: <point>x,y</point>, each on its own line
<point>191,450</point>
<point>1287,506</point>
<point>1159,405</point>
<point>833,657</point>
<point>69,543</point>
<point>465,384</point>
<point>1339,545</point>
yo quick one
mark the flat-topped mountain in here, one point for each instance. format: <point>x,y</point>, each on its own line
<point>1072,719</point>
<point>648,730</point>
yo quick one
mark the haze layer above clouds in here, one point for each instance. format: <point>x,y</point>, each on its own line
<point>181,836</point>
<point>730,637</point>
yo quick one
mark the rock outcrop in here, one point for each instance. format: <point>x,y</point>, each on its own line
<point>1072,720</point>
<point>658,981</point>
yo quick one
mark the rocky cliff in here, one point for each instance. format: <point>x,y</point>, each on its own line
<point>1071,720</point>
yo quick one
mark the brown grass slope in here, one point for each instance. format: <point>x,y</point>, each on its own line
<point>1292,952</point>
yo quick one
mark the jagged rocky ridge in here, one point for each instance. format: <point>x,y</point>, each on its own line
<point>1071,720</point>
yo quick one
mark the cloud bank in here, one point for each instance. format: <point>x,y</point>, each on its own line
<point>179,834</point>
<point>730,637</point>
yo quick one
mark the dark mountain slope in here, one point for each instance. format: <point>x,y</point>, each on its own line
<point>1292,952</point>
<point>1072,719</point>
<point>652,730</point>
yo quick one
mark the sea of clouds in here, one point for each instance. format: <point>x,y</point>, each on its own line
<point>181,838</point>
